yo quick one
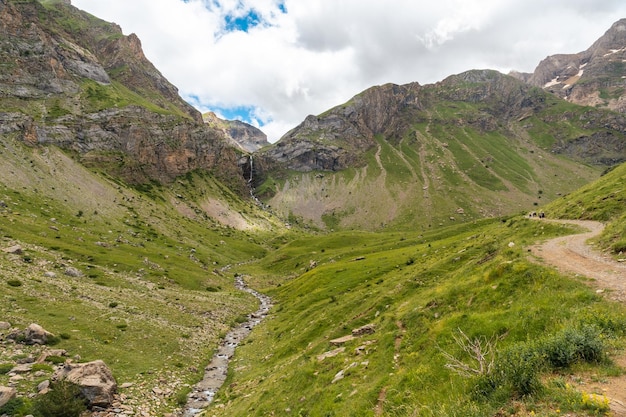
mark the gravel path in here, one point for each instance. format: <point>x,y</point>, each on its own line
<point>571,254</point>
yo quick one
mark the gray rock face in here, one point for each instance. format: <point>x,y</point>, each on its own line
<point>593,77</point>
<point>60,86</point>
<point>94,379</point>
<point>336,139</point>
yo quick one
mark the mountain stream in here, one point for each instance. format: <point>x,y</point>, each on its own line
<point>203,392</point>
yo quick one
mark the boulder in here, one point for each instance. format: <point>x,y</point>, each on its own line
<point>6,394</point>
<point>367,329</point>
<point>70,271</point>
<point>15,250</point>
<point>95,380</point>
<point>5,325</point>
<point>36,335</point>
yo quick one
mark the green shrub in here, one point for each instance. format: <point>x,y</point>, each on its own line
<point>113,304</point>
<point>14,283</point>
<point>63,400</point>
<point>181,396</point>
<point>17,406</point>
<point>42,367</point>
<point>518,370</point>
<point>56,359</point>
<point>5,368</point>
<point>573,345</point>
<point>619,247</point>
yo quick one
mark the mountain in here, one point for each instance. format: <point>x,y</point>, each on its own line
<point>477,144</point>
<point>75,81</point>
<point>240,134</point>
<point>594,77</point>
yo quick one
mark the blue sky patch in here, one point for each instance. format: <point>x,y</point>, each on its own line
<point>242,113</point>
<point>243,23</point>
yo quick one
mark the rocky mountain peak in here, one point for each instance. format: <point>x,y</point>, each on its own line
<point>241,135</point>
<point>613,40</point>
<point>593,77</point>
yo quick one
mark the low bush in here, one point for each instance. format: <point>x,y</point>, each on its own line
<point>517,369</point>
<point>63,400</point>
<point>14,283</point>
<point>17,406</point>
<point>573,345</point>
<point>5,368</point>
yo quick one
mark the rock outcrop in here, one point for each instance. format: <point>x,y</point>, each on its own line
<point>95,380</point>
<point>34,334</point>
<point>71,80</point>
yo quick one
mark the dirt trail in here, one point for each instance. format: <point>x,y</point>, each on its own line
<point>571,254</point>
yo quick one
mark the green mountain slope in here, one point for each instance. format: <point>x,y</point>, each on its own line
<point>476,145</point>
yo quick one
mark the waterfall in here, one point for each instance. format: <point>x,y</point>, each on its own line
<point>251,169</point>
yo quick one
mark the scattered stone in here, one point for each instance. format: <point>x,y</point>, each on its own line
<point>5,325</point>
<point>49,274</point>
<point>330,354</point>
<point>43,387</point>
<point>342,340</point>
<point>70,271</point>
<point>6,395</point>
<point>27,359</point>
<point>23,368</point>
<point>511,244</point>
<point>338,376</point>
<point>95,380</point>
<point>126,385</point>
<point>54,352</point>
<point>363,330</point>
<point>56,229</point>
<point>14,250</point>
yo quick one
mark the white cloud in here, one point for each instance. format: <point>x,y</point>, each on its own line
<point>322,52</point>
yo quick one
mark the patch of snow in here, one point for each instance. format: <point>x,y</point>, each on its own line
<point>584,65</point>
<point>554,81</point>
<point>580,73</point>
<point>614,51</point>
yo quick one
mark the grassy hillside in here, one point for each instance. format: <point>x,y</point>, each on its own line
<point>603,200</point>
<point>419,291</point>
<point>438,174</point>
<point>154,293</point>
<point>474,146</point>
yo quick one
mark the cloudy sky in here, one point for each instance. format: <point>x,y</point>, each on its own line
<point>273,62</point>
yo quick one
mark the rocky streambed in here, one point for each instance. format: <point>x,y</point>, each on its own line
<point>203,392</point>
